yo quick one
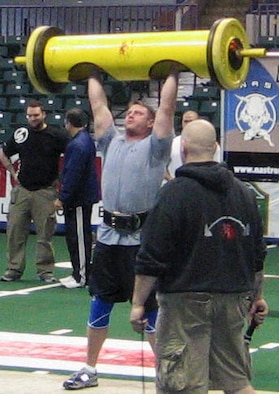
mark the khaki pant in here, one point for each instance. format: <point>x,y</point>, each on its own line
<point>200,344</point>
<point>27,206</point>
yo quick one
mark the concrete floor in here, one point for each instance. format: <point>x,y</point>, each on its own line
<point>41,383</point>
<point>37,383</point>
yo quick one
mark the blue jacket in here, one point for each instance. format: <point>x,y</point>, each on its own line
<point>79,184</point>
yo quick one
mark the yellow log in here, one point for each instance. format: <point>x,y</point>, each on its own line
<point>221,53</point>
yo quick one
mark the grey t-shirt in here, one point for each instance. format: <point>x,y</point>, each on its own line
<point>131,177</point>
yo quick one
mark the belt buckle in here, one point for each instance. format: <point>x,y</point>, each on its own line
<point>113,220</point>
<point>137,221</point>
<point>132,221</point>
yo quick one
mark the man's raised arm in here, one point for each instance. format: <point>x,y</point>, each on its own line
<point>99,105</point>
<point>164,120</point>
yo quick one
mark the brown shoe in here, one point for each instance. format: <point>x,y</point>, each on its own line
<point>48,278</point>
<point>10,276</point>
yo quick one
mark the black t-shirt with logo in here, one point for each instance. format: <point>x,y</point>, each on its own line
<point>39,152</point>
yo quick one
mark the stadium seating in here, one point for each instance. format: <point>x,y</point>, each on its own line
<point>19,119</point>
<point>5,125</point>
<point>269,42</point>
<point>187,105</point>
<point>14,75</point>
<point>16,89</point>
<point>16,45</point>
<point>3,51</point>
<point>206,92</point>
<point>55,119</point>
<point>52,103</point>
<point>5,117</point>
<point>16,103</point>
<point>73,89</point>
<point>78,102</point>
<point>118,92</point>
<point>209,107</point>
<point>6,64</point>
<point>3,103</point>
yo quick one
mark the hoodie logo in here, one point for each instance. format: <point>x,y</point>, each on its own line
<point>21,135</point>
<point>228,226</point>
<point>228,231</point>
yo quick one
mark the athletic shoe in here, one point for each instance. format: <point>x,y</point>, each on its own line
<point>70,283</point>
<point>10,276</point>
<point>81,380</point>
<point>48,278</point>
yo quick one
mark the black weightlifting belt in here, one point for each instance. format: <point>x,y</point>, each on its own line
<point>124,221</point>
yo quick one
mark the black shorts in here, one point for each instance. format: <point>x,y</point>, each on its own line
<point>112,274</point>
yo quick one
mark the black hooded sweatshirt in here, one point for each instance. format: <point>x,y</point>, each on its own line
<point>205,233</point>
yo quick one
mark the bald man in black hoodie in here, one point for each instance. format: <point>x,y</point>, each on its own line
<point>202,246</point>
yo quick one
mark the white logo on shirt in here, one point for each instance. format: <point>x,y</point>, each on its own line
<point>21,135</point>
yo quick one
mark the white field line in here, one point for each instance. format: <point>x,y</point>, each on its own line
<point>27,290</point>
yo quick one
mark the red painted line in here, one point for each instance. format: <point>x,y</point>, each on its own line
<point>76,353</point>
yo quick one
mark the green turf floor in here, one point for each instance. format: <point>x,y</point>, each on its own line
<point>58,308</point>
<point>55,308</point>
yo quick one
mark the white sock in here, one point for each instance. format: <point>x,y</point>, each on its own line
<point>90,369</point>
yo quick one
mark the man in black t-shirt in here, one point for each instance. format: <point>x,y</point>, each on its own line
<point>39,147</point>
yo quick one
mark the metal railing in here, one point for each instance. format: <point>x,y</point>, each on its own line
<point>22,20</point>
<point>268,19</point>
<point>262,25</point>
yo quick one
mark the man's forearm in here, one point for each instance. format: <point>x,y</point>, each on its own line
<point>143,287</point>
<point>258,286</point>
<point>164,120</point>
<point>8,164</point>
<point>169,91</point>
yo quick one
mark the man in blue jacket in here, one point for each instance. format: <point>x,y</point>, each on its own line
<point>79,191</point>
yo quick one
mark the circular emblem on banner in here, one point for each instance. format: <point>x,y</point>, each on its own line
<point>21,135</point>
<point>255,116</point>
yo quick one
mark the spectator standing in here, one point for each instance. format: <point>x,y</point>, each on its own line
<point>39,147</point>
<point>175,158</point>
<point>79,191</point>
<point>134,164</point>
<point>202,244</point>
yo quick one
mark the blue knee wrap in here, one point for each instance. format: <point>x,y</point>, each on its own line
<point>99,313</point>
<point>151,316</point>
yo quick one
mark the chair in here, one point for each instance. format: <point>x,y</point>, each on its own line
<point>6,64</point>
<point>16,45</point>
<point>20,119</point>
<point>16,89</point>
<point>209,107</point>
<point>119,93</point>
<point>73,89</point>
<point>14,76</point>
<point>215,119</point>
<point>211,110</point>
<point>77,102</point>
<point>17,103</point>
<point>2,89</point>
<point>206,92</point>
<point>5,118</point>
<point>55,119</point>
<point>268,41</point>
<point>3,50</point>
<point>52,103</point>
<point>3,103</point>
<point>6,131</point>
<point>187,105</point>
